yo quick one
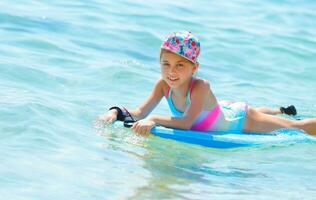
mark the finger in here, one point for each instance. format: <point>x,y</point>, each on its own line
<point>139,132</point>
<point>137,126</point>
<point>147,132</point>
<point>143,132</point>
<point>134,126</point>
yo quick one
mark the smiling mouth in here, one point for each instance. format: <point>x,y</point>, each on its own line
<point>173,79</point>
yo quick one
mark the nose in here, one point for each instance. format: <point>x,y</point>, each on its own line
<point>173,70</point>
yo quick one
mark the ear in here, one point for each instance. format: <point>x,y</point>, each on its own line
<point>196,67</point>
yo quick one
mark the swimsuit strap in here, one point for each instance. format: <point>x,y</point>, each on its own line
<point>191,89</point>
<point>170,102</point>
<point>189,95</point>
<point>168,92</point>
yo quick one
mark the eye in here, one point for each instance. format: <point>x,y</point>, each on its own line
<point>180,65</point>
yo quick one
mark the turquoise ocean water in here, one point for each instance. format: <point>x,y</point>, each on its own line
<point>62,63</point>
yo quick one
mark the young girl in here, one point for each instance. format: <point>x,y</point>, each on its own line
<point>193,103</point>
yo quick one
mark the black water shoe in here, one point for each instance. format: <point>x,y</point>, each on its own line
<point>290,110</point>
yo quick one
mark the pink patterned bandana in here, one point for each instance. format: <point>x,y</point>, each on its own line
<point>184,44</point>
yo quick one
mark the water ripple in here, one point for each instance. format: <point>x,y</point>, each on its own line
<point>63,63</point>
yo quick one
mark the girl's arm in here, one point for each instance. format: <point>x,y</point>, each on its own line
<point>201,95</point>
<point>143,110</point>
<point>151,102</point>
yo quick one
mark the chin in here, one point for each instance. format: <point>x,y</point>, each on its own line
<point>174,85</point>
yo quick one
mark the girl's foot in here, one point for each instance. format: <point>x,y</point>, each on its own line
<point>290,110</point>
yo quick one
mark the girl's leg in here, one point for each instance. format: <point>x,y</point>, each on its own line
<point>290,110</point>
<point>260,122</point>
<point>268,111</point>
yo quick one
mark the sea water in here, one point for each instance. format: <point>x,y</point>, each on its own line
<point>63,63</point>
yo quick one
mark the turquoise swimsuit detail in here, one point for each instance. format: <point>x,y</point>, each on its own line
<point>225,116</point>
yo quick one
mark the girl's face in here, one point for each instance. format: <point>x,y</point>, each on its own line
<point>175,69</point>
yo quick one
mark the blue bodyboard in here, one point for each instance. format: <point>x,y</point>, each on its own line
<point>226,139</point>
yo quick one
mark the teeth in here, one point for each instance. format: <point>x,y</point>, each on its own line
<point>173,79</point>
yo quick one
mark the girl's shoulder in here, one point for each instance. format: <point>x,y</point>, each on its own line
<point>202,88</point>
<point>163,86</point>
<point>201,83</point>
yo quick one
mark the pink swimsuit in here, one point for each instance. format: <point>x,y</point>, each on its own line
<point>225,116</point>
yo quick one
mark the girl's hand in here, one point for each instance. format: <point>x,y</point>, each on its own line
<point>108,117</point>
<point>143,127</point>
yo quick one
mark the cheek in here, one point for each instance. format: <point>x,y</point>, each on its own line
<point>184,71</point>
<point>164,70</point>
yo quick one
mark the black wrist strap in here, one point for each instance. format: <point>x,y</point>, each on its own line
<point>120,114</point>
<point>124,115</point>
<point>129,120</point>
